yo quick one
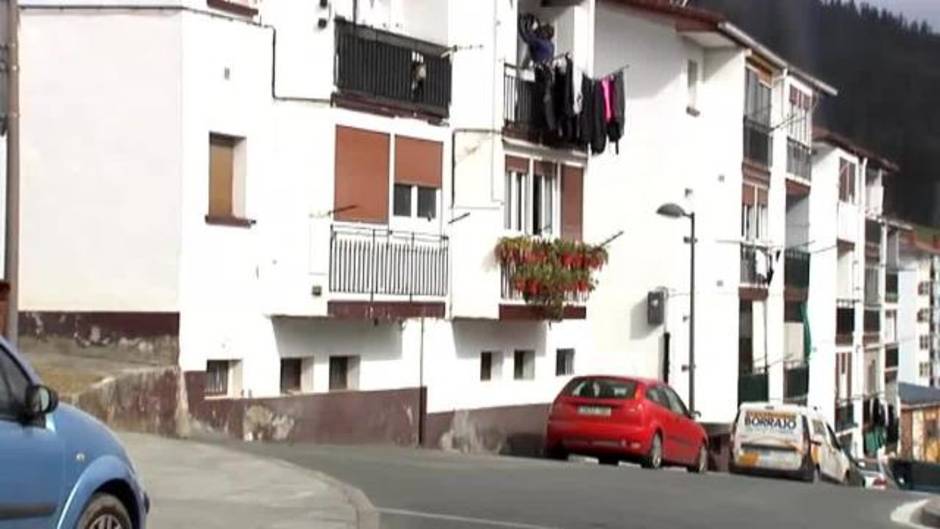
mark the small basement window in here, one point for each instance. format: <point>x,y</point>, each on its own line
<point>223,378</point>
<point>524,365</point>
<point>296,375</point>
<point>564,362</point>
<point>491,363</point>
<point>344,373</point>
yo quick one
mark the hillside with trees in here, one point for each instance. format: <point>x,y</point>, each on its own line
<point>887,71</point>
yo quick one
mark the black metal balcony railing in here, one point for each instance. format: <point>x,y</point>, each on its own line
<point>845,417</point>
<point>799,159</point>
<point>749,268</point>
<point>752,387</point>
<point>392,69</point>
<point>383,262</point>
<point>757,142</point>
<point>520,108</point>
<point>891,287</point>
<point>796,380</point>
<point>796,269</point>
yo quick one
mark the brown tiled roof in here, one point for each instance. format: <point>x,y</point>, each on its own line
<point>665,7</point>
<point>834,138</point>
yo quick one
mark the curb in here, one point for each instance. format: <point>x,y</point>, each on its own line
<point>930,513</point>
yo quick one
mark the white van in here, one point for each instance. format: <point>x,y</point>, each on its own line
<point>786,439</point>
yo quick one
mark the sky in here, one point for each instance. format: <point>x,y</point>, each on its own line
<point>928,10</point>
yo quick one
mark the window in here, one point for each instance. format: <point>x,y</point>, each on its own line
<point>799,116</point>
<point>757,97</point>
<point>543,201</point>
<point>601,388</point>
<point>418,166</point>
<point>427,202</point>
<point>226,177</point>
<point>408,196</point>
<point>692,78</point>
<point>924,369</point>
<point>846,181</point>
<point>296,375</point>
<point>491,363</point>
<point>675,403</point>
<point>655,394</point>
<point>523,367</point>
<point>564,362</point>
<point>925,342</point>
<point>755,219</point>
<point>402,205</point>
<point>223,378</point>
<point>344,372</point>
<point>13,384</point>
<point>531,198</point>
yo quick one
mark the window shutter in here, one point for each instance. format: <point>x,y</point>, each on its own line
<point>748,196</point>
<point>418,162</point>
<point>517,165</point>
<point>762,197</point>
<point>572,202</point>
<point>221,168</point>
<point>361,175</point>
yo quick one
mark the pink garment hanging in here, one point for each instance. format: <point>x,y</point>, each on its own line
<point>608,108</point>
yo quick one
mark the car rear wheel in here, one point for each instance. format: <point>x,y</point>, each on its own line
<point>609,461</point>
<point>654,458</point>
<point>557,453</point>
<point>701,462</point>
<point>105,512</point>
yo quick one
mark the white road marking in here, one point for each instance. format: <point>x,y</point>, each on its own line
<point>464,519</point>
<point>905,514</point>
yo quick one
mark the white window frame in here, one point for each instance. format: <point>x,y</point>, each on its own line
<point>528,364</point>
<point>518,202</point>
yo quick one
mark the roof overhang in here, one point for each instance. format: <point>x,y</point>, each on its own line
<point>827,136</point>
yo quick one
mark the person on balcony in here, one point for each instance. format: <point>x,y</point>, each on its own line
<point>539,38</point>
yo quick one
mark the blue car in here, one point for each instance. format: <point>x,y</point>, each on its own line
<point>59,467</point>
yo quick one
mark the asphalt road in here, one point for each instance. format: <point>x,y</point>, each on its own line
<point>422,489</point>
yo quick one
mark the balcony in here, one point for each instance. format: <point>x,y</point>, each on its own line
<point>799,159</point>
<point>758,143</point>
<point>796,381</point>
<point>752,275</point>
<point>390,264</point>
<point>845,417</point>
<point>393,71</point>
<point>752,387</point>
<point>523,116</point>
<point>796,269</point>
<point>891,287</point>
<point>510,293</point>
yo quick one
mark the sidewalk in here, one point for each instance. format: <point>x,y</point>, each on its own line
<point>192,484</point>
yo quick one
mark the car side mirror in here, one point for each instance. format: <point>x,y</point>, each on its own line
<point>40,400</point>
<point>695,415</point>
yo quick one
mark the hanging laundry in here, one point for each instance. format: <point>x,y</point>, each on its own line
<point>599,125</point>
<point>760,266</point>
<point>544,88</point>
<point>617,121</point>
<point>576,87</point>
<point>586,117</point>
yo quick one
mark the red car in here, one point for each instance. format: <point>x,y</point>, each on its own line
<point>621,418</point>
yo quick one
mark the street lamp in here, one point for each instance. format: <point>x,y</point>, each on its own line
<point>675,211</point>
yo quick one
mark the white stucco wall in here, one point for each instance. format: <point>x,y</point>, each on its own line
<point>101,164</point>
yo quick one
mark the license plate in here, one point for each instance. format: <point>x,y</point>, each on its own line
<point>594,410</point>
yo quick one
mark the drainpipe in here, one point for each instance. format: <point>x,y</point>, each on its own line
<point>422,391</point>
<point>11,256</point>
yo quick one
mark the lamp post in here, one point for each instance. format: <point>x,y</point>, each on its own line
<point>675,211</point>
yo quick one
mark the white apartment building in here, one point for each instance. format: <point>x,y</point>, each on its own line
<point>917,308</point>
<point>302,201</point>
<point>853,278</point>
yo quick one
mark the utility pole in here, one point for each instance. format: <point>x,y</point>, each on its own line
<point>11,256</point>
